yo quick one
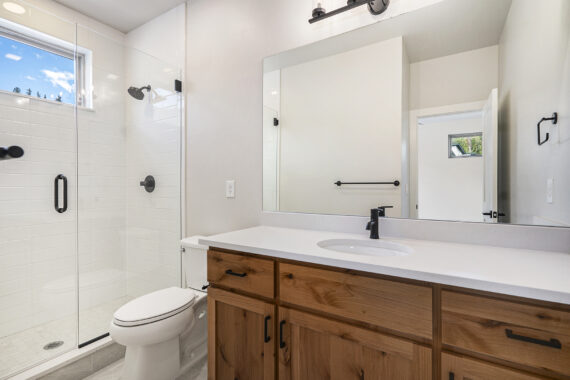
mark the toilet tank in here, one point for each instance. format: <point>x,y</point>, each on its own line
<point>194,263</point>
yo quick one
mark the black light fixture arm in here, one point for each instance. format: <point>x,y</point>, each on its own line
<point>375,7</point>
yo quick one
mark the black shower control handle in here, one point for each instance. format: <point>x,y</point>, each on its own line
<point>149,183</point>
<point>11,152</point>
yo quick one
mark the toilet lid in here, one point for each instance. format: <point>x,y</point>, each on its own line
<point>154,307</point>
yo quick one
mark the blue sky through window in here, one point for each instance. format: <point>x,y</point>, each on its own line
<point>39,71</point>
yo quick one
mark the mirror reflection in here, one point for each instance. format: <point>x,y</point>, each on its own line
<point>457,111</point>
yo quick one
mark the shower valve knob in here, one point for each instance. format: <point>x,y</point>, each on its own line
<point>148,184</point>
<point>11,152</point>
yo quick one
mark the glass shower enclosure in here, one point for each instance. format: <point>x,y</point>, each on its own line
<point>81,229</point>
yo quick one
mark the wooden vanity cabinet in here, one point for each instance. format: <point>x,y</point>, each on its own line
<point>277,319</point>
<point>313,347</point>
<point>241,337</point>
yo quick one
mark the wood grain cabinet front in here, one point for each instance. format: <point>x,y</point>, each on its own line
<point>398,306</point>
<point>530,335</point>
<point>245,273</point>
<point>270,318</point>
<point>241,338</point>
<point>456,367</point>
<point>313,348</point>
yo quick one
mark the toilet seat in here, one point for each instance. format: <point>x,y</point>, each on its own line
<point>154,307</point>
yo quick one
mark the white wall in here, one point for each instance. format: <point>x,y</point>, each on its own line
<point>459,78</point>
<point>227,41</point>
<point>326,134</point>
<point>448,188</point>
<point>534,83</point>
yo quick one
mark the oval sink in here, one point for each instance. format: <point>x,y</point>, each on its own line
<point>366,247</point>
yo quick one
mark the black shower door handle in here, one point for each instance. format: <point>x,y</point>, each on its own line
<point>59,178</point>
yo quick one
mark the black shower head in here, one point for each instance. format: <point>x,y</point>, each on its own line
<point>137,93</point>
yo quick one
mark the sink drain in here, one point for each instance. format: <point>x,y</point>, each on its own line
<point>52,345</point>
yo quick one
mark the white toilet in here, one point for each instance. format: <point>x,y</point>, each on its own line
<point>150,326</point>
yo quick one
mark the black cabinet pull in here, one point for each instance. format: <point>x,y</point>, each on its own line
<point>58,178</point>
<point>232,273</point>
<point>281,342</point>
<point>553,343</point>
<point>451,376</point>
<point>267,337</point>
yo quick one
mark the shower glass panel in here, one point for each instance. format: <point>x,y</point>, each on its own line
<point>38,255</point>
<point>128,242</point>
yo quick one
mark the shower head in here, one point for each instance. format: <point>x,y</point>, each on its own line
<point>137,93</point>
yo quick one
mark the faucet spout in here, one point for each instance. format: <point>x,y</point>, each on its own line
<point>373,223</point>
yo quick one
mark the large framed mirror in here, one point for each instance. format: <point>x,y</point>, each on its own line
<point>457,111</point>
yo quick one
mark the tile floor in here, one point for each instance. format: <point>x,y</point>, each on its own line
<point>199,371</point>
<point>24,349</point>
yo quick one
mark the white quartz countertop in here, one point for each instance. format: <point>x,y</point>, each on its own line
<point>532,274</point>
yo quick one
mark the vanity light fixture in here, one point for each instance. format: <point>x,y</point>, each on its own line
<point>375,7</point>
<point>14,8</point>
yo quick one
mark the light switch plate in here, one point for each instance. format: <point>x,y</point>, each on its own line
<point>549,189</point>
<point>230,188</point>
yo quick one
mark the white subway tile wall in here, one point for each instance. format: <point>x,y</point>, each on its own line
<point>153,148</point>
<point>37,244</point>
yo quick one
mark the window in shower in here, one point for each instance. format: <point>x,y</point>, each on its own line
<point>42,66</point>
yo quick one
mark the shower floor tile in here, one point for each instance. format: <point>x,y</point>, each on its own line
<point>26,348</point>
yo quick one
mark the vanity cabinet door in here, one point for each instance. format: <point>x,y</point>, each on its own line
<point>241,339</point>
<point>459,368</point>
<point>312,347</point>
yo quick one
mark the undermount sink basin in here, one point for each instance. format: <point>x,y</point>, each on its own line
<point>366,247</point>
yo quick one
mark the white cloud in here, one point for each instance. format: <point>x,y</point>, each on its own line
<point>29,77</point>
<point>63,79</point>
<point>13,57</point>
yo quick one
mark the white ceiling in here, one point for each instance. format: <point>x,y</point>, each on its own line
<point>124,15</point>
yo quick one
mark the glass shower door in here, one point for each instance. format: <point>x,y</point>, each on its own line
<point>38,263</point>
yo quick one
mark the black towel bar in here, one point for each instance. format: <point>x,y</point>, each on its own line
<point>395,183</point>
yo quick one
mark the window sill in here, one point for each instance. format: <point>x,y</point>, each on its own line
<point>48,101</point>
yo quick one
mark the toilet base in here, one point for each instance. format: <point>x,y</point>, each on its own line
<point>157,361</point>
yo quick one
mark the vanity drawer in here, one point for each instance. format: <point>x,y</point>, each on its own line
<point>460,368</point>
<point>529,335</point>
<point>393,305</point>
<point>246,273</point>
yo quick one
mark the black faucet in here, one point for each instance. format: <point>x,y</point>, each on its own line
<point>372,225</point>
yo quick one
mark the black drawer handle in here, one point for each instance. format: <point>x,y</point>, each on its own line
<point>554,343</point>
<point>63,209</point>
<point>281,342</point>
<point>232,273</point>
<point>267,337</point>
<point>451,376</point>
